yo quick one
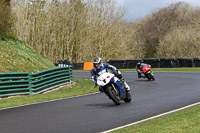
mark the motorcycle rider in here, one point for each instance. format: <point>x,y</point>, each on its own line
<point>100,67</point>
<point>139,67</point>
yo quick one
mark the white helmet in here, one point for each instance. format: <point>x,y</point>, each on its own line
<point>97,63</point>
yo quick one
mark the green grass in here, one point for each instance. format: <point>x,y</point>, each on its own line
<point>184,121</point>
<point>79,87</point>
<point>16,56</point>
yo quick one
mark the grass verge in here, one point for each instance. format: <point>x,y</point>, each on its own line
<point>184,121</point>
<point>16,56</point>
<point>79,87</point>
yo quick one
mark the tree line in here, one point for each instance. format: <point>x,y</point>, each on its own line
<point>79,30</point>
<point>5,16</point>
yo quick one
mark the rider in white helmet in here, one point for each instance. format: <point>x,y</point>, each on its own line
<point>100,67</point>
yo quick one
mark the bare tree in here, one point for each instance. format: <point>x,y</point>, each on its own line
<point>5,11</point>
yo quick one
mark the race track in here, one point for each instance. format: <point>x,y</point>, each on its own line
<point>96,113</point>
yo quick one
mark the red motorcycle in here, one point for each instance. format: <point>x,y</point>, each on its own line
<point>146,69</point>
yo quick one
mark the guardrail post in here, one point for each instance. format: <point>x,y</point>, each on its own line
<point>30,86</point>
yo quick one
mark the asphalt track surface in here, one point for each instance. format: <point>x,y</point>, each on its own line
<point>96,113</point>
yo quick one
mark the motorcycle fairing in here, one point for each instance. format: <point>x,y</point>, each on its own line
<point>102,81</point>
<point>145,68</point>
<point>148,72</point>
<point>109,77</point>
<point>117,82</point>
<point>120,87</point>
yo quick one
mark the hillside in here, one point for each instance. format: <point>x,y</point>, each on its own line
<point>16,56</point>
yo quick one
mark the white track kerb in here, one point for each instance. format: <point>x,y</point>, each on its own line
<point>151,118</point>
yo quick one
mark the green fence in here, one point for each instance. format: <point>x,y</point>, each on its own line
<point>48,79</point>
<point>34,83</point>
<point>14,84</point>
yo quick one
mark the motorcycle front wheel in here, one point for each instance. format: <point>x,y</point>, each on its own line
<point>114,95</point>
<point>152,77</point>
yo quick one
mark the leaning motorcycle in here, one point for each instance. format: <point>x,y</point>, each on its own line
<point>111,87</point>
<point>148,73</point>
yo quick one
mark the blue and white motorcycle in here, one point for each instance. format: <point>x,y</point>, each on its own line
<point>113,88</point>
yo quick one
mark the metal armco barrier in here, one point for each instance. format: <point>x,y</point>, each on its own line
<point>14,84</point>
<point>34,83</point>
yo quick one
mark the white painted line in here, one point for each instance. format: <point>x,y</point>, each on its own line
<point>151,118</point>
<point>50,101</point>
<point>174,72</point>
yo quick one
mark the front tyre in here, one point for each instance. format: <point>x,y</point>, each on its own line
<point>148,76</point>
<point>113,95</point>
<point>152,77</point>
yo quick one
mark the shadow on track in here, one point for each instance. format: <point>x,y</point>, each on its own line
<point>101,104</point>
<point>140,80</point>
<point>110,104</point>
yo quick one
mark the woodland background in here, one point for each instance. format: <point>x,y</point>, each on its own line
<point>78,31</point>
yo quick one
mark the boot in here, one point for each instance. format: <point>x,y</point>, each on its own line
<point>127,87</point>
<point>139,75</point>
